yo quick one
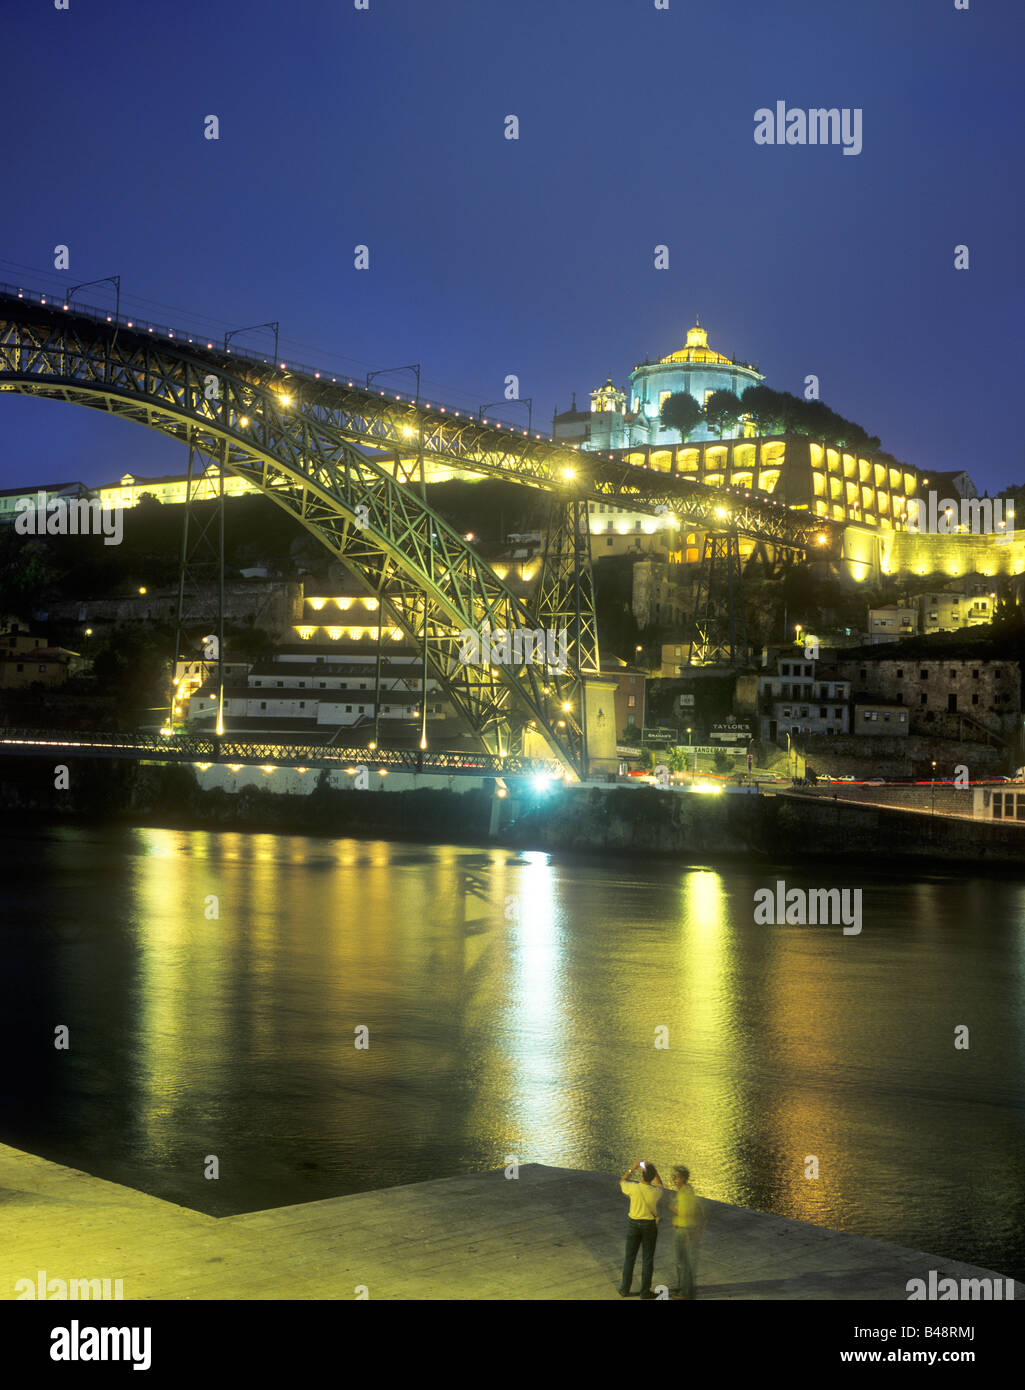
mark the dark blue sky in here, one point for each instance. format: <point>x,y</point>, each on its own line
<point>491,256</point>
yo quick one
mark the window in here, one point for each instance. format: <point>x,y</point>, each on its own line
<point>43,669</point>
<point>823,714</point>
<point>784,669</point>
<point>870,715</point>
<point>258,682</point>
<point>923,675</point>
<point>323,685</point>
<point>900,673</point>
<point>998,805</point>
<point>975,699</point>
<point>362,709</point>
<point>975,675</point>
<point>302,704</point>
<point>631,702</point>
<point>279,684</point>
<point>348,709</point>
<point>864,674</point>
<point>923,699</point>
<point>263,704</point>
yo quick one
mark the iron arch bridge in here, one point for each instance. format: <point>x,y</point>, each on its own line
<point>298,436</point>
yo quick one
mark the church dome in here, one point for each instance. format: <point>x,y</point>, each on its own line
<point>697,349</point>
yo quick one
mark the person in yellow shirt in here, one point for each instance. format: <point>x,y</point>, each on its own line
<point>689,1220</point>
<point>645,1194</point>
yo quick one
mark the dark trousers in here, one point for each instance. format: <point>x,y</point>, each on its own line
<point>686,1260</point>
<point>639,1235</point>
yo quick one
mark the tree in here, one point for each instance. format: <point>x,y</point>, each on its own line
<point>680,411</point>
<point>678,759</point>
<point>765,408</point>
<point>722,761</point>
<point>1008,618</point>
<point>722,409</point>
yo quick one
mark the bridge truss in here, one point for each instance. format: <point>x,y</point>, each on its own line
<point>298,437</point>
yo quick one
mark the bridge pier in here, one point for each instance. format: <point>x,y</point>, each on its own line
<point>599,727</point>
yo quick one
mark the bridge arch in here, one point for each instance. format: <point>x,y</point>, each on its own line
<point>424,574</point>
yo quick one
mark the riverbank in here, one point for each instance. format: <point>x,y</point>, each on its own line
<point>110,791</point>
<point>784,826</point>
<point>549,1233</point>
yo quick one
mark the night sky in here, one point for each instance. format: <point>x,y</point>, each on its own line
<point>490,256</point>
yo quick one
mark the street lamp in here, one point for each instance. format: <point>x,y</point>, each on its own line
<point>413,367</point>
<point>528,401</point>
<point>272,324</point>
<point>934,786</point>
<point>114,280</point>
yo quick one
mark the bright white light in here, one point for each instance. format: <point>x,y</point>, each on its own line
<point>539,783</point>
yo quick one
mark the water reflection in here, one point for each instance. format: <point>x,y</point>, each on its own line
<point>571,1012</point>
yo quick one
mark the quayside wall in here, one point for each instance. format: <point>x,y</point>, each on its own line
<point>780,827</point>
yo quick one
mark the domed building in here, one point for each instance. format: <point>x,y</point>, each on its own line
<point>622,420</point>
<point>695,368</point>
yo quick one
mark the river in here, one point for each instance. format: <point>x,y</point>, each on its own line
<point>570,1010</point>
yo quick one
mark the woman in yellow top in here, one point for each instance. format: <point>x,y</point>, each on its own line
<point>642,1224</point>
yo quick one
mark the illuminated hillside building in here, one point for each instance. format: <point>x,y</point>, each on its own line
<point>624,419</point>
<point>869,496</point>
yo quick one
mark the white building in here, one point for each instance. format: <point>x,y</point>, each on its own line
<point>799,699</point>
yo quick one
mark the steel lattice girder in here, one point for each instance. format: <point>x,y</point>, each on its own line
<point>362,514</point>
<point>197,748</point>
<point>376,419</point>
<point>719,634</point>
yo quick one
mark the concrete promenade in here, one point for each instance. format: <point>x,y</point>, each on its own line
<point>553,1233</point>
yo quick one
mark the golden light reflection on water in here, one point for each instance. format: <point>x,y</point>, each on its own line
<point>537,1029</point>
<point>533,1031</point>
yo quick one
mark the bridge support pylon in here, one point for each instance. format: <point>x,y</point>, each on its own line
<point>719,631</point>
